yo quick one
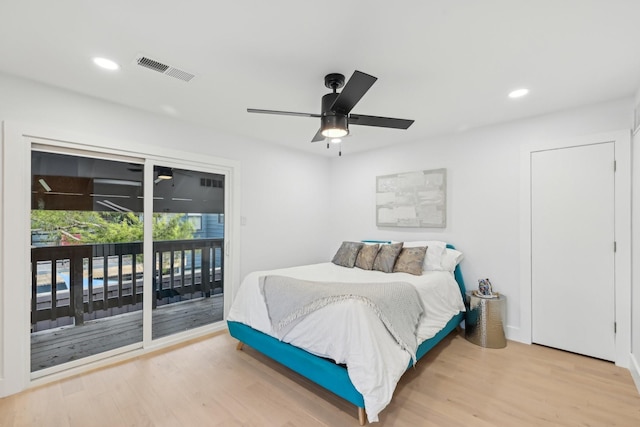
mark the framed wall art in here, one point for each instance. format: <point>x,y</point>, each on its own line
<point>412,199</point>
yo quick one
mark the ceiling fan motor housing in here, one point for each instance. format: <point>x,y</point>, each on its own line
<point>327,102</point>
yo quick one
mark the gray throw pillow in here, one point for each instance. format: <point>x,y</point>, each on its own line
<point>386,257</point>
<point>346,255</point>
<point>366,256</point>
<point>410,260</point>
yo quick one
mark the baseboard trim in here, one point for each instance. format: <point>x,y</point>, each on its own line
<point>634,368</point>
<point>513,333</point>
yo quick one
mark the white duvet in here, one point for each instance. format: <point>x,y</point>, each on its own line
<point>349,332</point>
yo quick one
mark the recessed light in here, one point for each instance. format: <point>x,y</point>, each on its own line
<point>105,63</point>
<point>518,93</point>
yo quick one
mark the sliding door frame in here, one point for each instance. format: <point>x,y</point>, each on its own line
<point>15,169</point>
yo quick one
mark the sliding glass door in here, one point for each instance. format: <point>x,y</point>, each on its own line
<point>188,245</point>
<point>88,275</point>
<point>86,256</point>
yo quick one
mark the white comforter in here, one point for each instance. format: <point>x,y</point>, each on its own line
<point>349,332</point>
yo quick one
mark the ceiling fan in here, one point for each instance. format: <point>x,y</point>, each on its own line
<point>336,108</point>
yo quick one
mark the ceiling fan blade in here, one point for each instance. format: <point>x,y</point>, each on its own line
<point>318,136</point>
<point>384,122</point>
<point>282,113</point>
<point>353,91</point>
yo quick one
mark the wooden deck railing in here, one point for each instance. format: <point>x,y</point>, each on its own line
<point>70,284</point>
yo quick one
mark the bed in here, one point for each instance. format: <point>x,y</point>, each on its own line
<point>343,347</point>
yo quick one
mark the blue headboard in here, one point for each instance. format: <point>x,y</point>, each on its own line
<point>457,273</point>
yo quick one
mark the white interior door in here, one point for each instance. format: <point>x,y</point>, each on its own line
<point>572,239</point>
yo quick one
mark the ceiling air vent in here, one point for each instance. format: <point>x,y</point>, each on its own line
<point>165,69</point>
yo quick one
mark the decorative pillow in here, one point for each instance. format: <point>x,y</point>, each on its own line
<point>451,259</point>
<point>410,260</point>
<point>346,255</point>
<point>435,251</point>
<point>367,256</point>
<point>386,257</point>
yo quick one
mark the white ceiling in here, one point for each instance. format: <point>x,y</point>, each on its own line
<point>447,64</point>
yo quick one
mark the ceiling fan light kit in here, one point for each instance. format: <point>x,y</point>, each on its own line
<point>336,108</point>
<point>334,126</point>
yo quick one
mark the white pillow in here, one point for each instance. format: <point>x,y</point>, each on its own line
<point>450,259</point>
<point>435,251</point>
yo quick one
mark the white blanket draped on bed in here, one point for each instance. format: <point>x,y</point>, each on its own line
<point>350,333</point>
<point>396,304</point>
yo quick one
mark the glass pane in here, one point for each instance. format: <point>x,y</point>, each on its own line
<point>188,237</point>
<point>86,240</point>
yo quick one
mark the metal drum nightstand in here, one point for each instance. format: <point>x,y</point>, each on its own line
<point>484,321</point>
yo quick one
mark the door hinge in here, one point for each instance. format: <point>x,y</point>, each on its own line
<point>615,327</point>
<point>615,166</point>
<point>615,246</point>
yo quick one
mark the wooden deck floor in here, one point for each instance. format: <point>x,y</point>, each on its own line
<point>61,345</point>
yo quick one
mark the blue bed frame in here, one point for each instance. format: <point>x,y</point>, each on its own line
<point>325,372</point>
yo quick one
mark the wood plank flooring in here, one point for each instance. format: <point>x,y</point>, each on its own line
<point>64,344</point>
<point>209,383</point>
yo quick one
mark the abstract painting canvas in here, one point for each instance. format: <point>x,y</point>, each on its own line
<point>412,199</point>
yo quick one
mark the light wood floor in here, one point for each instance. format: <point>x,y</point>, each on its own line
<point>209,383</point>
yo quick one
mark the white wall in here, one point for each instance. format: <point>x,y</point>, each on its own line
<point>635,275</point>
<point>483,179</point>
<point>284,193</point>
<point>294,217</point>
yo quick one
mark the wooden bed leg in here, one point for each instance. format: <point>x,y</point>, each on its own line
<point>239,345</point>
<point>362,416</point>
